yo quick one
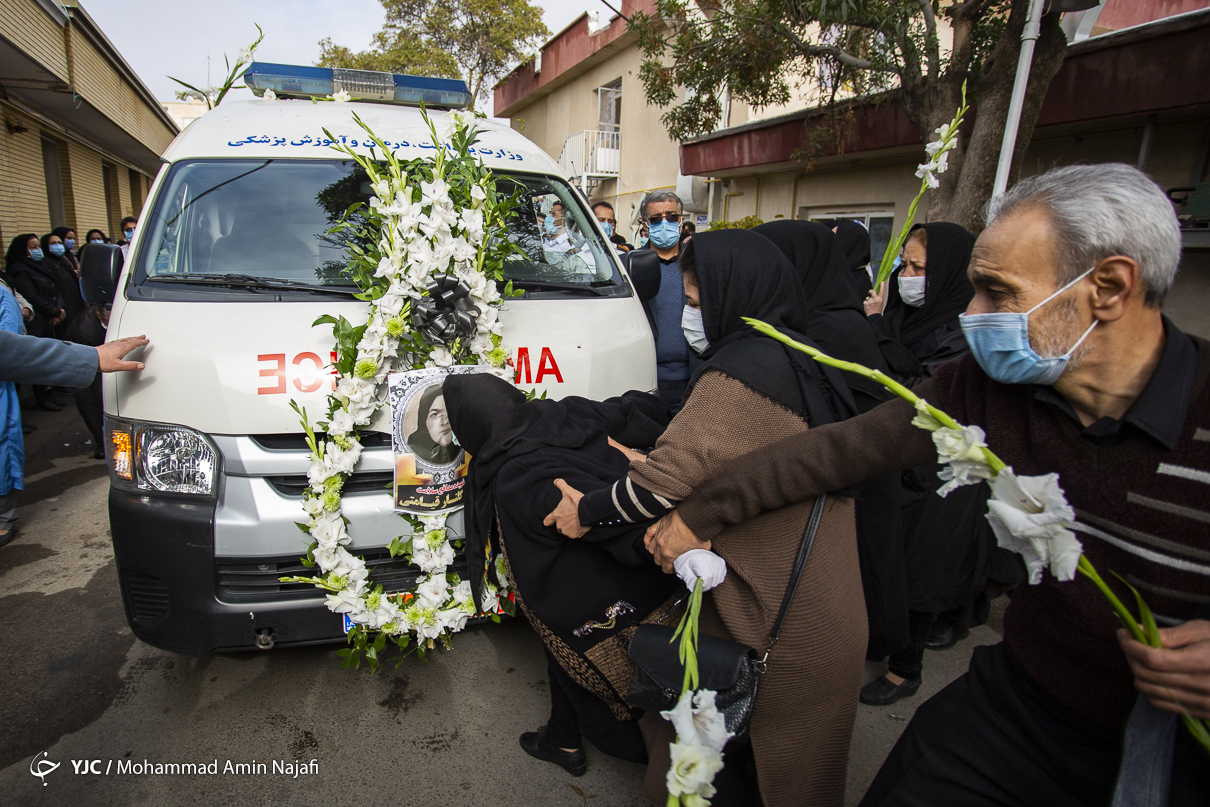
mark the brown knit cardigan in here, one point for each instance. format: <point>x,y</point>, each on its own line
<point>803,717</point>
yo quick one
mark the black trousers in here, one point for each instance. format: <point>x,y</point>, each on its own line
<point>909,662</point>
<point>89,402</point>
<point>576,713</point>
<point>993,737</point>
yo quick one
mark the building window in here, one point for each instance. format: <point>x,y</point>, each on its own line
<point>609,107</point>
<point>54,182</point>
<point>879,221</point>
<point>113,205</point>
<point>136,191</point>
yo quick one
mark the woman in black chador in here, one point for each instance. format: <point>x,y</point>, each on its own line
<point>433,441</point>
<point>583,597</point>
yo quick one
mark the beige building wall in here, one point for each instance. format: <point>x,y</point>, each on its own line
<point>71,54</point>
<point>27,26</point>
<point>649,159</point>
<point>23,207</point>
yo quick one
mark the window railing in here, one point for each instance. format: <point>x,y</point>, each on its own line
<point>592,154</point>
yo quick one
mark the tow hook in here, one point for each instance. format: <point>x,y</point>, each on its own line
<point>264,639</point>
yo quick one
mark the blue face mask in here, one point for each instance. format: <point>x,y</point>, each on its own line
<point>1000,343</point>
<point>57,249</point>
<point>36,253</point>
<point>694,329</point>
<point>665,234</point>
<point>643,242</point>
<point>608,228</point>
<point>129,234</point>
<point>71,243</point>
<point>550,224</point>
<point>95,241</point>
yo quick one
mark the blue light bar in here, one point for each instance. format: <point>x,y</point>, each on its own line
<point>297,81</point>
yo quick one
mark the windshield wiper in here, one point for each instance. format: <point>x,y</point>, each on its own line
<point>545,285</point>
<point>250,282</point>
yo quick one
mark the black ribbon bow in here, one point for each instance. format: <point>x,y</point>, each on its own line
<point>446,314</point>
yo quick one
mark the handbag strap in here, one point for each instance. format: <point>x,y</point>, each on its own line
<point>804,550</point>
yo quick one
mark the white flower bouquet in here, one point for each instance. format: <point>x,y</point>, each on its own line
<point>421,254</point>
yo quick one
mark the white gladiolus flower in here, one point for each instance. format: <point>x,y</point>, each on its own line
<point>478,196</point>
<point>942,162</point>
<point>346,602</point>
<point>340,460</point>
<point>924,419</point>
<point>432,592</point>
<point>313,506</point>
<point>318,473</point>
<point>925,172</point>
<point>341,423</point>
<point>269,95</point>
<point>1028,514</point>
<point>436,191</point>
<point>329,529</point>
<point>698,721</point>
<point>462,594</point>
<point>341,97</point>
<point>961,451</point>
<point>491,599</point>
<point>441,357</point>
<point>692,770</point>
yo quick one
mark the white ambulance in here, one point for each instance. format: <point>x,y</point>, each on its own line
<point>230,266</point>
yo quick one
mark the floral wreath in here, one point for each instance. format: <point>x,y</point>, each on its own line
<point>422,256</point>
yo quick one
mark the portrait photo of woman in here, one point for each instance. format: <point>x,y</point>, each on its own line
<point>433,441</point>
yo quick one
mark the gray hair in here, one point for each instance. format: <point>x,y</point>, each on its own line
<point>1098,211</point>
<point>659,196</point>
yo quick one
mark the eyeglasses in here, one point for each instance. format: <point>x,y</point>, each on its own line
<point>656,218</point>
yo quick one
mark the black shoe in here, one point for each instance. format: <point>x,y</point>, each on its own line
<point>7,538</point>
<point>881,692</point>
<point>60,400</point>
<point>28,428</point>
<point>49,405</point>
<point>99,454</point>
<point>537,746</point>
<point>945,636</point>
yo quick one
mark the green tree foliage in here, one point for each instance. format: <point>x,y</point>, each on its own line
<point>763,51</point>
<point>476,40</point>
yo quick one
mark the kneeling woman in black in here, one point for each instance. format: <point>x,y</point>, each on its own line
<point>583,597</point>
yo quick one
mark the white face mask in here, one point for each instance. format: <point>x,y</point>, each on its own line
<point>911,289</point>
<point>694,329</point>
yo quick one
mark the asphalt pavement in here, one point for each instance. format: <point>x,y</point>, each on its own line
<point>79,690</point>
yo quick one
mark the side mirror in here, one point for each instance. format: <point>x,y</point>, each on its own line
<point>100,267</point>
<point>644,268</point>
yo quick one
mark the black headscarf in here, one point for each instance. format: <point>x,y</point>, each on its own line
<point>855,241</point>
<point>947,291</point>
<point>496,425</point>
<point>742,274</point>
<point>420,441</point>
<point>17,250</point>
<point>836,320</point>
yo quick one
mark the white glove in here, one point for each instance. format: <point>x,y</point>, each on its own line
<point>700,563</point>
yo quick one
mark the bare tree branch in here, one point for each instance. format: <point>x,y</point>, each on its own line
<point>807,49</point>
<point>931,45</point>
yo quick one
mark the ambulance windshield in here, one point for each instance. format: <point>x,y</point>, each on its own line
<point>270,220</point>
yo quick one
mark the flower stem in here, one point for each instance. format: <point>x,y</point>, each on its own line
<point>994,462</point>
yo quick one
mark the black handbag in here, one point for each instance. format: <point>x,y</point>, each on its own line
<point>731,669</point>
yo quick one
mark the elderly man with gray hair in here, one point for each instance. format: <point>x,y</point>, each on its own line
<point>661,212</point>
<point>1073,370</point>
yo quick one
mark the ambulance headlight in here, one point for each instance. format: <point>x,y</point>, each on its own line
<point>160,458</point>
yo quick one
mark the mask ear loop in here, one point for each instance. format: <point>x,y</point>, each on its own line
<point>1060,291</point>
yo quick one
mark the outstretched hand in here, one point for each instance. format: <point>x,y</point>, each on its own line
<point>566,517</point>
<point>111,354</point>
<point>669,538</point>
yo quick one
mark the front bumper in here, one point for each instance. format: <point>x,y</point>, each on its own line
<point>170,584</point>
